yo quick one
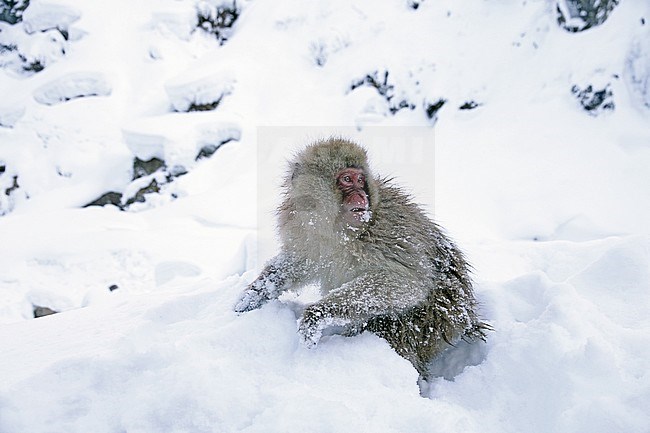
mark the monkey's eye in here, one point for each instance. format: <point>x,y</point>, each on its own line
<point>347,179</point>
<point>362,179</point>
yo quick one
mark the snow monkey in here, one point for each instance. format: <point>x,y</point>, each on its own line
<point>381,263</point>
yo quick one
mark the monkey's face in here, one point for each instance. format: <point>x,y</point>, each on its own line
<point>355,206</point>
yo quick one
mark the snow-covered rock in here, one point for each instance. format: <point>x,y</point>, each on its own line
<point>71,86</point>
<point>579,15</point>
<point>41,16</point>
<point>199,94</point>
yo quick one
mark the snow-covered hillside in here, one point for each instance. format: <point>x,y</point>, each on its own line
<point>141,150</point>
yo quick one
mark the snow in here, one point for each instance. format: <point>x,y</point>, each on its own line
<point>71,86</point>
<point>549,202</point>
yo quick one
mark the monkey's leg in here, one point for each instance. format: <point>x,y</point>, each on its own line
<point>280,273</point>
<point>359,300</point>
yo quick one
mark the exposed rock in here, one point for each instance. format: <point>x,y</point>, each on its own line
<point>209,149</point>
<point>139,197</point>
<point>432,108</point>
<point>469,105</point>
<point>217,19</point>
<point>594,101</point>
<point>11,11</point>
<point>144,168</point>
<point>35,51</point>
<point>153,172</point>
<point>8,184</point>
<point>380,82</point>
<point>578,15</point>
<point>207,106</point>
<point>14,186</point>
<point>111,197</point>
<point>42,311</point>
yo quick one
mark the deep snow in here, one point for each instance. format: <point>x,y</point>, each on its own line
<point>549,202</point>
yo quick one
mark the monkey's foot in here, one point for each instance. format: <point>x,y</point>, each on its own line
<point>251,300</point>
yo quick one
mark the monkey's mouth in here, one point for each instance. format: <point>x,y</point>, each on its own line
<point>359,209</point>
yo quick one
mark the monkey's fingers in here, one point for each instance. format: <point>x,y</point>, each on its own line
<point>311,328</point>
<point>250,300</point>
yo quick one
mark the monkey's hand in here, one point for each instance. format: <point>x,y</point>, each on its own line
<point>252,299</point>
<point>311,326</point>
<point>314,321</point>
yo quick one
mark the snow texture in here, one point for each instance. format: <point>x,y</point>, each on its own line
<point>548,199</point>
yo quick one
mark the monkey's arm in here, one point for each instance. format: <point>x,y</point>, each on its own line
<point>280,273</point>
<point>355,302</point>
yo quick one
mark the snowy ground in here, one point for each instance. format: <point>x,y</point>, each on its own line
<point>549,201</point>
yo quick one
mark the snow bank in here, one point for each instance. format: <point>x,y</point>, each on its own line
<point>560,359</point>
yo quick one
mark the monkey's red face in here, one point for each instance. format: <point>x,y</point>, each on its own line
<point>355,208</point>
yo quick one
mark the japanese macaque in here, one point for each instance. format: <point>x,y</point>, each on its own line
<point>382,265</point>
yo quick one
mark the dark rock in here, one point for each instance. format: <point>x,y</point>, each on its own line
<point>14,186</point>
<point>141,169</point>
<point>218,20</point>
<point>139,196</point>
<point>469,105</point>
<point>8,184</point>
<point>373,80</point>
<point>113,287</point>
<point>595,101</point>
<point>209,149</point>
<point>112,197</point>
<point>145,168</point>
<point>11,11</point>
<point>380,82</point>
<point>432,109</point>
<point>33,66</point>
<point>578,15</point>
<point>204,107</point>
<point>42,311</point>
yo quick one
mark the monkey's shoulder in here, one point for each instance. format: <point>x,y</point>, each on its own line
<point>402,230</point>
<point>397,212</point>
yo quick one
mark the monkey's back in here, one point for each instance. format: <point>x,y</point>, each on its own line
<point>405,235</point>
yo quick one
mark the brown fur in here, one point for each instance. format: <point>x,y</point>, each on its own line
<point>398,275</point>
